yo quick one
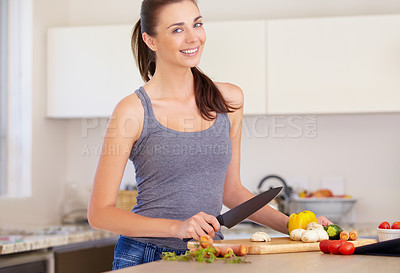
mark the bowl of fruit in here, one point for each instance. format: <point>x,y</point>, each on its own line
<point>388,232</point>
<point>324,202</point>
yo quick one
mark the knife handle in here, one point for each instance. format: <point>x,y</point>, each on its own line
<point>220,220</point>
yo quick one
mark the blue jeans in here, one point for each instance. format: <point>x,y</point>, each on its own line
<point>130,252</point>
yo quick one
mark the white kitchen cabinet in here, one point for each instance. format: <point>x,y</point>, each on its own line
<point>89,69</point>
<point>235,53</point>
<point>290,66</point>
<point>334,65</point>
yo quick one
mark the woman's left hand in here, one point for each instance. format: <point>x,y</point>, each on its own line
<point>322,220</point>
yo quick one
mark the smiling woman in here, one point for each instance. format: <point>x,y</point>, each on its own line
<point>184,143</point>
<point>182,38</point>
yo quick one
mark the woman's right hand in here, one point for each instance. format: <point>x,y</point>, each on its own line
<point>197,226</point>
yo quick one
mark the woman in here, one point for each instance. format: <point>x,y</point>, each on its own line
<point>182,132</point>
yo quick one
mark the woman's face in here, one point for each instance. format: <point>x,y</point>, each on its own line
<point>180,35</point>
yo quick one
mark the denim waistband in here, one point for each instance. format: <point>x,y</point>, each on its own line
<point>151,252</point>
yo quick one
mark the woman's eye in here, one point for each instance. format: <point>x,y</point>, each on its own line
<point>198,24</point>
<point>178,30</point>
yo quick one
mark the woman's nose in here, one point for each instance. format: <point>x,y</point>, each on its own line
<point>191,36</point>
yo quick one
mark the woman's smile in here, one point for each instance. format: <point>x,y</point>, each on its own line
<point>190,52</point>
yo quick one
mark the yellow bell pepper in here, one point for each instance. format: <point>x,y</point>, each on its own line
<point>301,220</point>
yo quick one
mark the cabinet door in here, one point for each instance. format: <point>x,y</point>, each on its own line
<point>88,260</point>
<point>334,65</point>
<point>235,53</point>
<point>89,69</point>
<point>33,267</point>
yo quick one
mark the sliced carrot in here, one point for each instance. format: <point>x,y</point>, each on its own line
<point>217,251</point>
<point>353,235</point>
<point>206,241</point>
<point>240,250</point>
<point>344,235</point>
<point>226,251</point>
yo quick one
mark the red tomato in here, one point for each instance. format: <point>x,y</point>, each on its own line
<point>396,225</point>
<point>323,246</point>
<point>384,225</point>
<point>334,246</point>
<point>347,248</point>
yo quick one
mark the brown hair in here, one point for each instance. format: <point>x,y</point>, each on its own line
<point>208,97</point>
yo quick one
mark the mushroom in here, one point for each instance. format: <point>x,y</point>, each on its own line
<point>260,237</point>
<point>296,234</point>
<point>314,225</point>
<point>310,236</point>
<point>322,234</point>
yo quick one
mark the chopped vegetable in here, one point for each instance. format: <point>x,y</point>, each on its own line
<point>206,241</point>
<point>344,235</point>
<point>226,251</point>
<point>301,220</point>
<point>205,251</point>
<point>240,250</point>
<point>260,237</point>
<point>353,235</point>
<point>206,255</point>
<point>334,232</point>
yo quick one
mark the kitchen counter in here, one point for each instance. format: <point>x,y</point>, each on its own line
<point>15,240</point>
<point>287,262</point>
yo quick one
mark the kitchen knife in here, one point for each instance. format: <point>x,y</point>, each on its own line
<point>244,210</point>
<point>385,248</point>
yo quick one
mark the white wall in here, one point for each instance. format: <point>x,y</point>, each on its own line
<point>364,149</point>
<point>49,136</point>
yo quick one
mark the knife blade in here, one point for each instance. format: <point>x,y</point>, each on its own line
<point>244,210</point>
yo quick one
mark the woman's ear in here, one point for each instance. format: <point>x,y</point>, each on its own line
<point>149,41</point>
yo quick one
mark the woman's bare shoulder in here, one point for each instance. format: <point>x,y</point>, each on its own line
<point>128,117</point>
<point>130,106</point>
<point>231,93</point>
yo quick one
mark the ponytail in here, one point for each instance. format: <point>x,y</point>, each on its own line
<point>144,56</point>
<point>208,97</point>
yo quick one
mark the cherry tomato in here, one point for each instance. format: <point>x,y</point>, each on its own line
<point>334,246</point>
<point>347,248</point>
<point>323,246</point>
<point>396,225</point>
<point>384,225</point>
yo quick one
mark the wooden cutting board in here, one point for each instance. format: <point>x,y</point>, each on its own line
<point>277,245</point>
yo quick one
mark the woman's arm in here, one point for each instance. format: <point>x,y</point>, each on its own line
<point>123,130</point>
<point>234,192</point>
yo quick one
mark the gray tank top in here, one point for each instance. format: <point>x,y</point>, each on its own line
<point>179,174</point>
